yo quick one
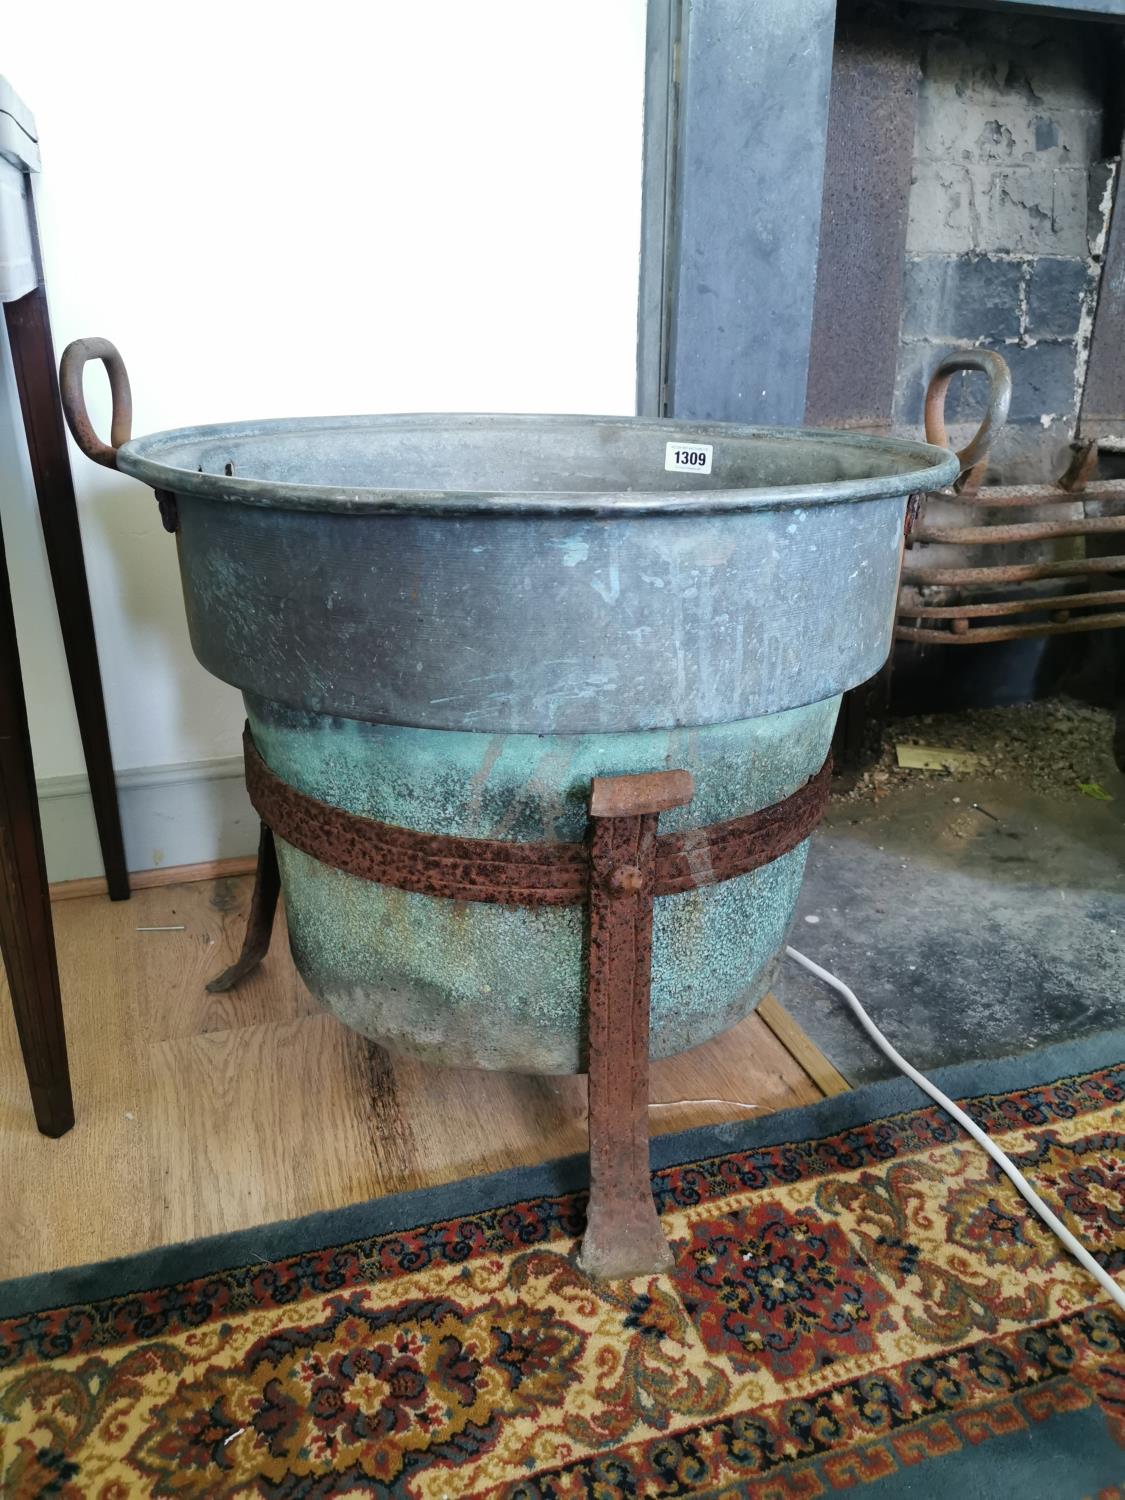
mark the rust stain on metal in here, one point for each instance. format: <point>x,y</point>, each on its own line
<point>1022,531</point>
<point>504,871</point>
<point>259,924</point>
<point>532,874</point>
<point>75,357</point>
<point>1082,468</point>
<point>967,612</point>
<point>648,792</point>
<point>623,1235</point>
<point>1042,494</point>
<point>1010,632</point>
<point>913,511</point>
<point>1065,567</point>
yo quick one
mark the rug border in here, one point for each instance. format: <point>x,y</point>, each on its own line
<point>171,1265</point>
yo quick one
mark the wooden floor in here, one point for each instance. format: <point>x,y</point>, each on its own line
<point>200,1113</point>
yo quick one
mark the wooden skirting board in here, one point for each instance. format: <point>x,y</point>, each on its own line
<point>140,880</point>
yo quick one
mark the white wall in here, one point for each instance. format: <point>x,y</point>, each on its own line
<point>382,207</point>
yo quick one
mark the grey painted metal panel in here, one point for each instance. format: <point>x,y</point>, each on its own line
<point>1103,394</point>
<point>753,120</point>
<point>858,310</point>
<point>658,196</point>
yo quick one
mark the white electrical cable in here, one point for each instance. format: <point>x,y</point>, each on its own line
<point>1006,1165</point>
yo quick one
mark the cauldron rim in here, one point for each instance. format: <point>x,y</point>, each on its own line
<point>170,460</point>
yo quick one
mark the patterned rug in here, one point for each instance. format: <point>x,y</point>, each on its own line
<point>859,1300</point>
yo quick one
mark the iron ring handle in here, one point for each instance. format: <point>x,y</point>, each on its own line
<point>72,367</point>
<point>999,399</point>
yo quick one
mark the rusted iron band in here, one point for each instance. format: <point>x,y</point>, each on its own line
<point>1029,604</point>
<point>720,851</point>
<point>1019,531</point>
<point>977,633</point>
<point>1104,491</point>
<point>1063,567</point>
<point>519,874</point>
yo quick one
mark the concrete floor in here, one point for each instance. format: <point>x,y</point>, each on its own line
<point>965,933</point>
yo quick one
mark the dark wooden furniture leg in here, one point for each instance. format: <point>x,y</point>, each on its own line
<point>27,939</point>
<point>623,1234</point>
<point>29,331</point>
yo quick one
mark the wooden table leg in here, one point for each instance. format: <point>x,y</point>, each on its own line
<point>33,358</point>
<point>26,935</point>
<point>623,1234</point>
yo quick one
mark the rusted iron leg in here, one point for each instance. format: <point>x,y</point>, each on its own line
<point>259,924</point>
<point>623,1234</point>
